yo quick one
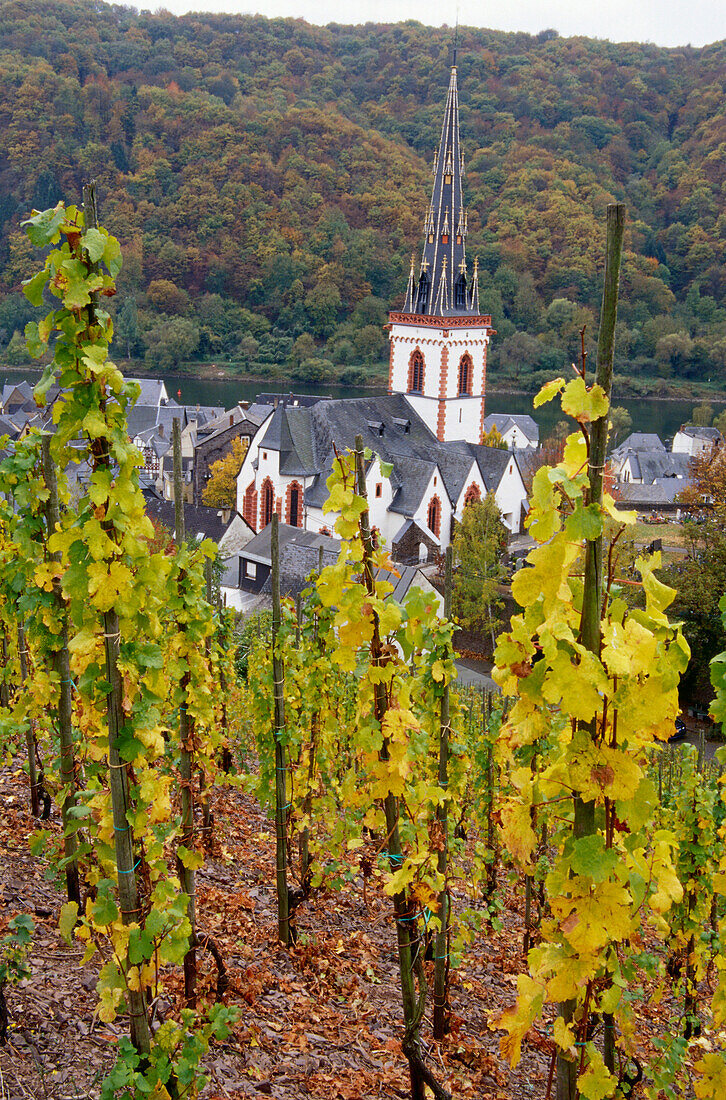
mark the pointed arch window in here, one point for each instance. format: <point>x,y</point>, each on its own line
<point>466,369</point>
<point>460,292</point>
<point>433,517</point>
<point>416,372</point>
<point>424,288</point>
<point>268,502</point>
<point>473,495</point>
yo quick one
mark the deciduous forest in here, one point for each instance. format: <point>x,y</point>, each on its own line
<point>268,181</point>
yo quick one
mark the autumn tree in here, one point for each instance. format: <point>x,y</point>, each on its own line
<point>479,544</point>
<point>493,438</point>
<point>221,489</point>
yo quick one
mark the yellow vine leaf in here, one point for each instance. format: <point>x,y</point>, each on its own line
<point>596,1082</point>
<point>518,1020</point>
<point>517,831</point>
<point>712,1082</point>
<point>583,403</point>
<point>592,915</point>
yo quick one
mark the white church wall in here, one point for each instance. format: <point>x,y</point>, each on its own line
<point>509,495</point>
<point>436,488</point>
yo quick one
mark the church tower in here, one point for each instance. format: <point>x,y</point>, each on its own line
<point>439,342</point>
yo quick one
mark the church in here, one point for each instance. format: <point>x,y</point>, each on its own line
<point>428,427</point>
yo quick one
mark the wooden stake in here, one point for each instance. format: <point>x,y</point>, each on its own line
<point>278,689</point>
<point>65,700</point>
<point>441,958</point>
<point>590,626</point>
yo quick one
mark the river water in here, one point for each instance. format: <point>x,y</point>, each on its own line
<point>663,417</point>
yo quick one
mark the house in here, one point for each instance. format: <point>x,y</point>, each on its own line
<point>248,573</point>
<point>519,432</point>
<point>691,439</point>
<point>636,443</point>
<point>428,427</point>
<point>649,467</point>
<point>661,497</point>
<point>214,439</point>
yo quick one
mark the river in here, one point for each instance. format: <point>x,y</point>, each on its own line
<point>663,417</point>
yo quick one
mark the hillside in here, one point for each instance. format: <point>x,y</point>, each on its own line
<point>268,181</point>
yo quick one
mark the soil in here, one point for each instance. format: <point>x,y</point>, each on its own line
<point>320,1021</point>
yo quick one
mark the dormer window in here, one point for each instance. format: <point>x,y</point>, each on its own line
<point>460,292</point>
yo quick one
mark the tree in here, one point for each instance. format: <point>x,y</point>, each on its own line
<point>479,544</point>
<point>16,353</point>
<point>620,423</point>
<point>702,415</point>
<point>700,580</point>
<point>126,329</point>
<point>221,489</point>
<point>493,438</point>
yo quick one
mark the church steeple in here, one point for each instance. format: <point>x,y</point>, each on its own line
<point>443,287</point>
<point>439,342</point>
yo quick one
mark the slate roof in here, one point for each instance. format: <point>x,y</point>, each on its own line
<point>17,393</point>
<point>153,391</point>
<point>649,466</point>
<point>141,418</point>
<point>648,496</point>
<point>697,432</point>
<point>504,421</point>
<point>306,438</point>
<point>300,556</point>
<point>198,519</point>
<point>639,441</point>
<point>259,549</point>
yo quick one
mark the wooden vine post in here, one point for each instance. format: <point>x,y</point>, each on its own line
<point>441,958</point>
<point>126,862</point>
<point>186,748</point>
<point>65,701</point>
<point>590,626</point>
<point>30,739</point>
<point>278,693</point>
<point>410,961</point>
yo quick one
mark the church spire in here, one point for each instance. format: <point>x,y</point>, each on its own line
<point>443,287</point>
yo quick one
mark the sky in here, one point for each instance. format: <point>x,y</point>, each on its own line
<point>662,22</point>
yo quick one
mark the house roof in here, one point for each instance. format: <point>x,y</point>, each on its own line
<point>504,421</point>
<point>639,441</point>
<point>649,496</point>
<point>307,438</point>
<point>153,391</point>
<point>259,549</point>
<point>648,466</point>
<point>695,431</point>
<point>199,521</point>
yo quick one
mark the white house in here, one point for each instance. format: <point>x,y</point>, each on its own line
<point>693,440</point>
<point>519,432</point>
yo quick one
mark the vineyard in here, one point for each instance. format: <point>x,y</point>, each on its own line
<point>290,857</point>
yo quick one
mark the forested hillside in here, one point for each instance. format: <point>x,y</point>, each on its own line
<point>268,181</point>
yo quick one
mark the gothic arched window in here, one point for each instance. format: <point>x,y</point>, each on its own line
<point>268,502</point>
<point>416,373</point>
<point>434,516</point>
<point>473,495</point>
<point>460,292</point>
<point>465,373</point>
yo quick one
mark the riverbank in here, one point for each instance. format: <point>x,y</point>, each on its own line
<point>376,381</point>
